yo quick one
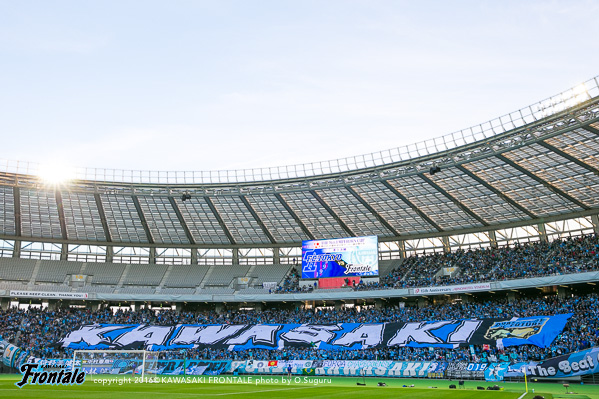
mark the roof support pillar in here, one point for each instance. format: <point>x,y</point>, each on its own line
<point>143,220</point>
<point>182,220</point>
<point>446,247</point>
<point>16,250</point>
<point>542,232</point>
<point>61,217</point>
<point>102,214</point>
<point>109,254</point>
<point>402,249</point>
<point>595,221</point>
<point>220,220</point>
<point>64,251</point>
<point>276,256</point>
<point>493,238</point>
<point>17,204</point>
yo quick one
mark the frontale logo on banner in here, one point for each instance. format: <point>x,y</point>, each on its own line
<point>349,269</point>
<point>515,329</point>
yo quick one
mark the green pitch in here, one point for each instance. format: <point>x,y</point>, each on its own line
<point>313,387</point>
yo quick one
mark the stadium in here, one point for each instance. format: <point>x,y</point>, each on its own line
<point>481,261</point>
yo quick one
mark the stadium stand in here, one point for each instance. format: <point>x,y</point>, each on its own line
<point>106,289</point>
<point>222,276</point>
<point>386,266</point>
<point>105,273</point>
<point>510,201</point>
<point>185,276</point>
<point>51,271</point>
<point>136,290</point>
<point>144,275</point>
<point>12,286</point>
<point>51,288</point>
<point>214,290</point>
<point>178,291</point>
<point>269,273</point>
<point>14,269</point>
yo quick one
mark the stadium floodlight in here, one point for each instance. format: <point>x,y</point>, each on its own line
<point>185,196</point>
<point>434,169</point>
<point>55,173</point>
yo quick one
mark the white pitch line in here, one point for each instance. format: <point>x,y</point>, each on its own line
<point>265,390</point>
<point>170,393</point>
<point>106,392</point>
<point>521,396</point>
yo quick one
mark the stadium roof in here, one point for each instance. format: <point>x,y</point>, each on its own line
<point>537,164</point>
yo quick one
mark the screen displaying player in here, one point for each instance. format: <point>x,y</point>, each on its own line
<point>341,257</point>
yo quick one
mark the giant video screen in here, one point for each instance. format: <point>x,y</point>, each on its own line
<point>341,257</point>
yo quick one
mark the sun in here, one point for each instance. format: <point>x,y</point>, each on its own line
<point>55,174</point>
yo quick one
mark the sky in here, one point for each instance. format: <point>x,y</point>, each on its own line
<point>210,85</point>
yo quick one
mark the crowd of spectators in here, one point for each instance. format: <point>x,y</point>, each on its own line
<point>40,329</point>
<point>522,260</point>
<point>291,283</point>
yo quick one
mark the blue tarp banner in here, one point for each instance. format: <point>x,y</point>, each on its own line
<point>574,364</point>
<point>539,331</point>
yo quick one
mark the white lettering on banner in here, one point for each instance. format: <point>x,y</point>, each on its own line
<point>453,288</point>
<point>395,370</point>
<point>366,334</point>
<point>236,364</point>
<point>416,369</point>
<point>302,364</point>
<point>464,331</point>
<point>92,335</point>
<point>351,372</point>
<point>206,335</point>
<point>417,332</point>
<point>43,294</point>
<point>342,335</point>
<point>310,333</point>
<point>146,335</point>
<point>358,269</point>
<point>327,371</point>
<point>333,363</point>
<point>367,363</point>
<point>259,334</point>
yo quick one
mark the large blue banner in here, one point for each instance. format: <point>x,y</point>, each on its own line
<point>574,364</point>
<point>539,331</point>
<point>340,257</point>
<point>159,367</point>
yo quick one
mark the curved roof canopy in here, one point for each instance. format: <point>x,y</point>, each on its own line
<point>537,164</point>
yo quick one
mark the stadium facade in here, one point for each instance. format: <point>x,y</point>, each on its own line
<point>114,235</point>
